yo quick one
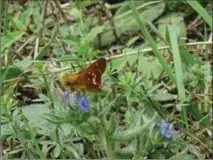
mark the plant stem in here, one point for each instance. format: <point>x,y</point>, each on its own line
<point>106,141</point>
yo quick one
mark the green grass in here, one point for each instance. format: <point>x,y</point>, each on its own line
<point>158,70</point>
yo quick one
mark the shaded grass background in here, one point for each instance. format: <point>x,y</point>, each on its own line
<point>159,69</point>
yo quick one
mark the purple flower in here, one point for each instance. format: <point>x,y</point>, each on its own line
<point>67,97</point>
<point>77,98</point>
<point>167,130</point>
<point>82,102</point>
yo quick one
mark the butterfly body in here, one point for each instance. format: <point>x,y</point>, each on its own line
<point>88,79</point>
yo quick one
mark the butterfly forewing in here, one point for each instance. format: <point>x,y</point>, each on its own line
<point>91,76</point>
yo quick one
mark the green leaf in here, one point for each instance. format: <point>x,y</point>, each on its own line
<point>64,30</point>
<point>6,130</point>
<point>202,12</point>
<point>184,156</point>
<point>23,64</point>
<point>65,58</point>
<point>132,41</point>
<point>10,38</point>
<point>112,124</point>
<point>158,155</point>
<point>189,58</point>
<point>83,4</point>
<point>65,127</point>
<point>177,63</point>
<point>14,71</point>
<point>80,148</point>
<point>18,24</point>
<point>130,134</point>
<point>93,121</point>
<point>141,23</point>
<point>47,46</point>
<point>25,16</point>
<point>35,113</point>
<point>131,58</point>
<point>194,110</point>
<point>119,63</point>
<point>128,117</point>
<point>73,151</point>
<point>10,72</point>
<point>177,21</point>
<point>124,19</point>
<point>149,67</point>
<point>57,151</point>
<point>123,154</point>
<point>76,13</point>
<point>193,149</point>
<point>93,33</point>
<point>163,97</point>
<point>87,128</point>
<point>23,136</point>
<point>58,51</point>
<point>37,17</point>
<point>178,71</point>
<point>72,40</point>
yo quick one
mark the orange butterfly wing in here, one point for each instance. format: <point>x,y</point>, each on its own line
<point>91,76</point>
<point>88,79</point>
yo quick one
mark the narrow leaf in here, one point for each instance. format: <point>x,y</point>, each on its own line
<point>10,38</point>
<point>152,43</point>
<point>202,12</point>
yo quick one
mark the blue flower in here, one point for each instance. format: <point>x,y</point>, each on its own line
<point>77,98</point>
<point>167,130</point>
<point>82,102</point>
<point>67,97</point>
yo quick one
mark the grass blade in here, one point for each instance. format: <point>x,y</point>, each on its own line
<point>152,43</point>
<point>178,70</point>
<point>202,12</point>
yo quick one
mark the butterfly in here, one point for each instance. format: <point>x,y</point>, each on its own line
<point>88,79</point>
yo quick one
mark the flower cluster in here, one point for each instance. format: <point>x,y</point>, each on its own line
<point>82,102</point>
<point>167,131</point>
<point>67,97</point>
<point>79,100</point>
